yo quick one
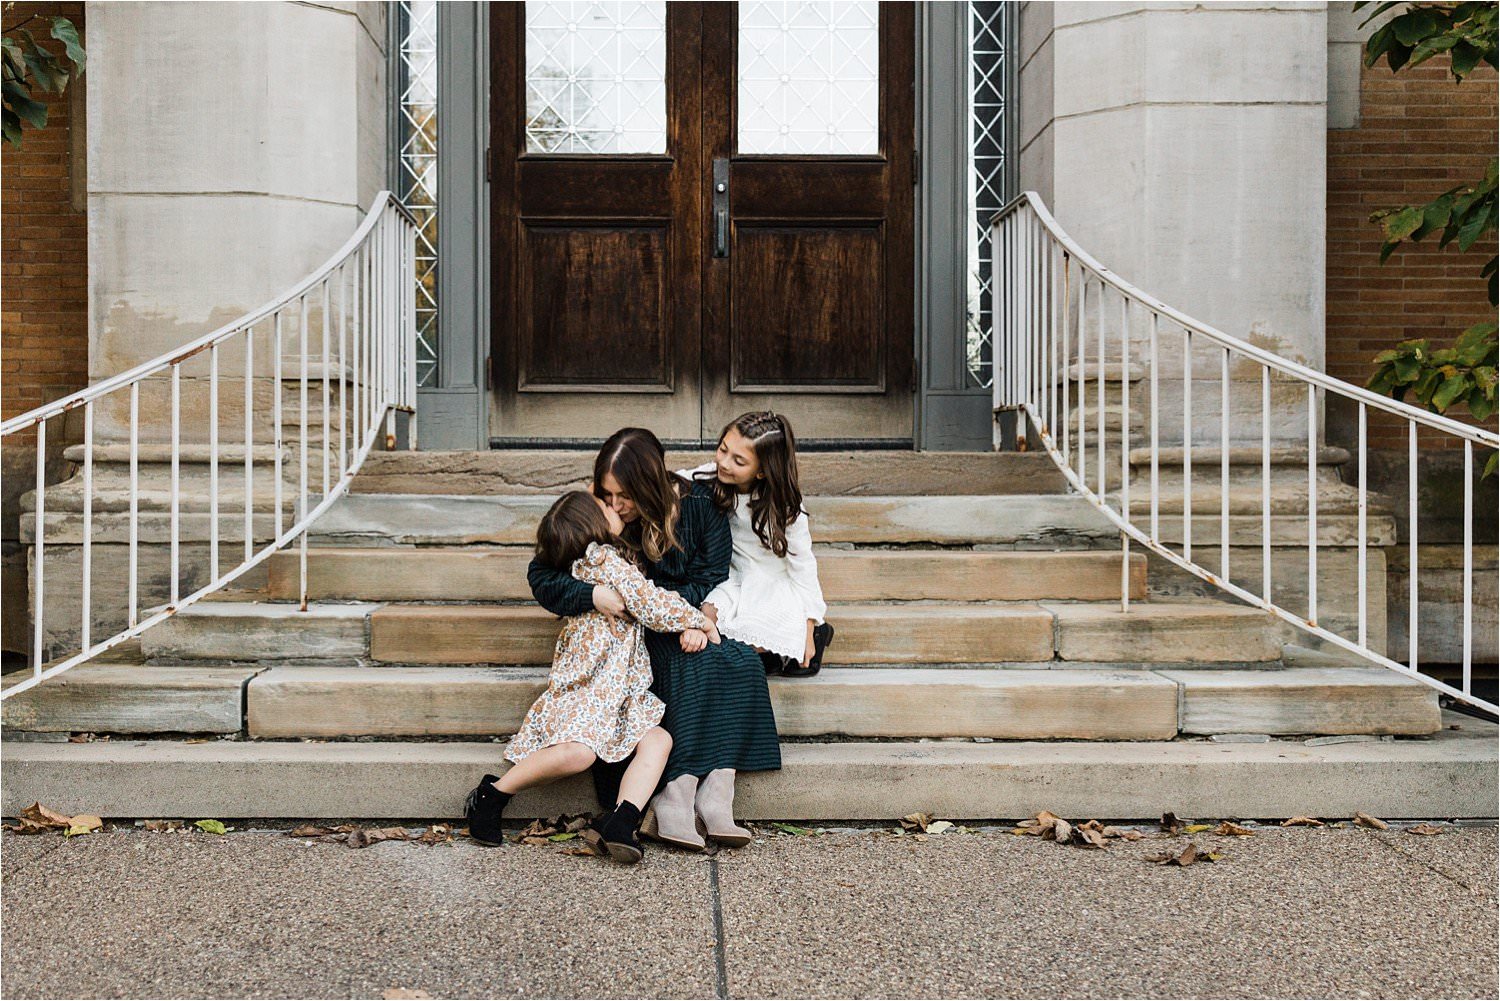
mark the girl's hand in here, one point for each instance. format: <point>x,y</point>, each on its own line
<point>809,648</point>
<point>712,632</point>
<point>711,612</point>
<point>608,601</point>
<point>694,640</point>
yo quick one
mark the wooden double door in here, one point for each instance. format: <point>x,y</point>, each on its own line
<point>700,209</point>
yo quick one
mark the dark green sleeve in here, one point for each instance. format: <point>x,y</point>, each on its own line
<point>707,542</point>
<point>559,593</point>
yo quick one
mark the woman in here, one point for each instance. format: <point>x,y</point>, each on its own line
<point>718,706</point>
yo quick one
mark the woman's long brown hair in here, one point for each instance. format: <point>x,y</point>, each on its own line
<point>776,498</point>
<point>639,464</point>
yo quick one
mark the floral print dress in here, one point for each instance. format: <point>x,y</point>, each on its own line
<point>599,692</point>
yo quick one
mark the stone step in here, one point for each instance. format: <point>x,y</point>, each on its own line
<point>867,634</point>
<point>251,631</point>
<point>1200,630</point>
<point>1451,775</point>
<point>1013,521</point>
<point>1177,631</point>
<point>885,702</point>
<point>131,698</point>
<point>1305,700</point>
<point>869,473</point>
<point>499,574</point>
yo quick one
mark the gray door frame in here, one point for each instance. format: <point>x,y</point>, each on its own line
<point>950,414</point>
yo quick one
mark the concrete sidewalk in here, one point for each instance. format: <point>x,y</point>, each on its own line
<point>1288,913</point>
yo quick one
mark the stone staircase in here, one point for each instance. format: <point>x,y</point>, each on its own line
<point>983,668</point>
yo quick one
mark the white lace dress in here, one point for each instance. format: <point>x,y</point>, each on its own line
<point>768,599</point>
<point>599,691</point>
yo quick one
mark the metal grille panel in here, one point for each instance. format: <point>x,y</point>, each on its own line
<point>416,183</point>
<point>990,32</point>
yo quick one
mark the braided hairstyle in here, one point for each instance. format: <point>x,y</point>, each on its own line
<point>776,498</point>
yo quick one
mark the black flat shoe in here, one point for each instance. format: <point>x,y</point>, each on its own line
<point>482,809</point>
<point>822,636</point>
<point>773,661</point>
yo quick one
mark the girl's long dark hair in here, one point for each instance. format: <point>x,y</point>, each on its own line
<point>639,464</point>
<point>775,498</point>
<point>568,527</point>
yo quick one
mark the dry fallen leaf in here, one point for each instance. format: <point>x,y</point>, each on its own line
<point>1197,828</point>
<point>82,824</point>
<point>1302,822</point>
<point>1228,828</point>
<point>437,834</point>
<point>1122,833</point>
<point>160,826</point>
<point>365,837</point>
<point>309,831</point>
<point>39,814</point>
<point>1170,823</point>
<point>1365,820</point>
<point>1089,837</point>
<point>916,821</point>
<point>939,827</point>
<point>1188,856</point>
<point>1425,830</point>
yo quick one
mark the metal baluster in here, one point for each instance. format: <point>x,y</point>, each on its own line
<point>1187,444</point>
<point>1224,465</point>
<point>1364,508</point>
<point>1412,514</point>
<point>276,425</point>
<point>176,460</point>
<point>1064,424</point>
<point>213,463</point>
<point>1083,354</point>
<point>38,554</point>
<point>1265,480</point>
<point>132,583</point>
<point>302,452</point>
<point>327,455</point>
<point>1312,504</point>
<point>1468,566</point>
<point>1125,451</point>
<point>88,521</point>
<point>343,367</point>
<point>249,442</point>
<point>1155,436</point>
<point>1100,456</point>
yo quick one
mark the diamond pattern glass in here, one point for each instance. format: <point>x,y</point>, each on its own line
<point>596,77</point>
<point>416,171</point>
<point>990,27</point>
<point>809,77</point>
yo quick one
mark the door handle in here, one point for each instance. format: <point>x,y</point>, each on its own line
<point>721,207</point>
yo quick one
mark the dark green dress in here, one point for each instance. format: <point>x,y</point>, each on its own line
<point>718,706</point>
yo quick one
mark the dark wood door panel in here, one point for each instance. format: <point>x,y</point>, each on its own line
<point>578,186</point>
<point>822,187</point>
<point>596,316</point>
<point>807,301</point>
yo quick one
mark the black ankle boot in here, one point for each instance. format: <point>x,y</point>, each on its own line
<point>614,834</point>
<point>771,661</point>
<point>822,636</point>
<point>483,809</point>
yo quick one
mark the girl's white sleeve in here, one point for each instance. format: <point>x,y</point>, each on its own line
<point>708,467</point>
<point>802,565</point>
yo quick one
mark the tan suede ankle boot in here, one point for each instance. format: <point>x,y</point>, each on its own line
<point>671,819</point>
<point>715,805</point>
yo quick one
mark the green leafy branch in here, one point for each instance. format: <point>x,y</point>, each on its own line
<point>1467,33</point>
<point>1464,373</point>
<point>26,67</point>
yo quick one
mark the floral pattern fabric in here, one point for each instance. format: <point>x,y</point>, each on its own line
<point>599,691</point>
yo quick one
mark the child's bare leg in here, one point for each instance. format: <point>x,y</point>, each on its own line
<point>547,765</point>
<point>646,767</point>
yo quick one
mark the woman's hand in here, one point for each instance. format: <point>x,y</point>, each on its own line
<point>711,612</point>
<point>608,601</point>
<point>810,647</point>
<point>693,640</point>
<point>712,632</point>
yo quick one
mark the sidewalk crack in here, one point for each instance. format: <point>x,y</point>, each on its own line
<point>1429,866</point>
<point>721,975</point>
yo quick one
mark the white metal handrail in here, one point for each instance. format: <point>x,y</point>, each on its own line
<point>1063,321</point>
<point>360,307</point>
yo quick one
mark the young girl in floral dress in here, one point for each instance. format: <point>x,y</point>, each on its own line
<point>772,599</point>
<point>598,704</point>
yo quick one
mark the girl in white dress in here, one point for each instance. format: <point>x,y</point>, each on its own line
<point>772,600</point>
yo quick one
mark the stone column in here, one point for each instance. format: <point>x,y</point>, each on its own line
<point>232,148</point>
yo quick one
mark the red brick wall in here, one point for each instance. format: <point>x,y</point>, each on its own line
<point>43,251</point>
<point>1419,134</point>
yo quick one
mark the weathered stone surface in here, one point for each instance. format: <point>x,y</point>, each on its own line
<point>499,574</point>
<point>1204,631</point>
<point>1450,776</point>
<point>243,631</point>
<point>1053,521</point>
<point>867,634</point>
<point>132,698</point>
<point>442,701</point>
<point>1305,700</point>
<point>521,471</point>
